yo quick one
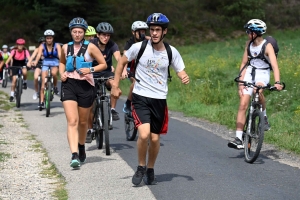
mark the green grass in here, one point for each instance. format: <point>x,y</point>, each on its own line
<point>212,93</point>
<point>3,156</point>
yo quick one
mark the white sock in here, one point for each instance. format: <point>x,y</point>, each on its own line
<point>239,134</point>
<point>112,108</point>
<point>265,112</point>
<point>12,93</point>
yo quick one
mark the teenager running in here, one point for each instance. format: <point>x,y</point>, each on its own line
<point>18,55</point>
<point>38,67</point>
<point>78,92</point>
<point>255,29</point>
<point>149,105</point>
<point>51,52</point>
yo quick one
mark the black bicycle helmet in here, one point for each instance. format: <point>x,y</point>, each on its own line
<point>104,27</point>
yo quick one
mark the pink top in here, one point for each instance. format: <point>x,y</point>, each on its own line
<point>20,55</point>
<point>75,75</point>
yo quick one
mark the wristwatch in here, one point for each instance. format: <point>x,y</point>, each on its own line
<point>92,69</point>
<point>277,82</point>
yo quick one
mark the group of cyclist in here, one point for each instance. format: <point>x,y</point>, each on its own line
<point>89,55</point>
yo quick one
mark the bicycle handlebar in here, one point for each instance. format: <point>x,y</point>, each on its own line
<point>249,84</point>
<point>103,78</point>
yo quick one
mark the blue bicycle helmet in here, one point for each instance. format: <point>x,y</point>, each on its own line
<point>78,22</point>
<point>158,19</point>
<point>257,26</point>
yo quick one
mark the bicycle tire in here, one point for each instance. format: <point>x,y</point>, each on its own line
<point>130,129</point>
<point>98,130</point>
<point>48,99</point>
<point>105,121</point>
<point>39,92</point>
<point>19,92</point>
<point>253,142</point>
<point>4,81</point>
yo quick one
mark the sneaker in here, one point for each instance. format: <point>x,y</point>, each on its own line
<point>138,175</point>
<point>24,86</point>
<point>126,109</point>
<point>150,179</point>
<point>267,124</point>
<point>75,161</point>
<point>56,91</point>
<point>110,127</point>
<point>11,98</point>
<point>41,105</point>
<point>89,138</point>
<point>82,155</point>
<point>236,144</point>
<point>115,115</point>
<point>35,95</point>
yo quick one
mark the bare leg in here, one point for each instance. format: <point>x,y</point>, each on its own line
<point>37,72</point>
<point>83,123</point>
<point>153,149</point>
<point>54,71</point>
<point>142,143</point>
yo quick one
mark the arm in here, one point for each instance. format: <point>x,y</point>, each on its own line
<point>124,72</point>
<point>58,47</point>
<point>32,57</point>
<point>243,64</point>
<point>97,55</point>
<point>62,65</point>
<point>9,59</point>
<point>38,57</point>
<point>1,64</point>
<point>271,54</point>
<point>115,91</point>
<point>183,76</point>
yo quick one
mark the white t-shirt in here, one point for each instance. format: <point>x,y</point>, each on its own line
<point>152,70</point>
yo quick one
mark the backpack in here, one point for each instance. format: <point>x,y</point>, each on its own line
<point>78,59</point>
<point>142,49</point>
<point>261,55</point>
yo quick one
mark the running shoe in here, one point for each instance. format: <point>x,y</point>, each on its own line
<point>138,175</point>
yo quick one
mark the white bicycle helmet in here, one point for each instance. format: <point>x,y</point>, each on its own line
<point>4,46</point>
<point>49,32</point>
<point>137,25</point>
<point>257,26</point>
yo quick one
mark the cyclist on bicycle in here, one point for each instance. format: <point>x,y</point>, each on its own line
<point>5,55</point>
<point>1,66</point>
<point>257,71</point>
<point>138,30</point>
<point>51,51</point>
<point>90,33</point>
<point>149,94</point>
<point>19,54</point>
<point>78,91</point>
<point>108,48</point>
<point>38,67</point>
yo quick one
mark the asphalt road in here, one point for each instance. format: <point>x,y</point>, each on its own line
<point>193,163</point>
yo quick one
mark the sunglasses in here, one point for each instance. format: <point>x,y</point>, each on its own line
<point>248,31</point>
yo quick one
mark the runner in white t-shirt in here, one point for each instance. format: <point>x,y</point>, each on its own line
<point>149,104</point>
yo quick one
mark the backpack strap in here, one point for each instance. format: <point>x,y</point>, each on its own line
<point>169,52</point>
<point>142,49</point>
<point>70,49</point>
<point>83,48</point>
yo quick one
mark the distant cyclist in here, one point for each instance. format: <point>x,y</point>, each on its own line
<point>38,66</point>
<point>109,49</point>
<point>1,66</point>
<point>138,30</point>
<point>19,54</point>
<point>51,52</point>
<point>5,55</point>
<point>78,91</point>
<point>90,33</point>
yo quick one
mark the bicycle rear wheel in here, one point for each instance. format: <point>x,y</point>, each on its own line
<point>19,92</point>
<point>130,130</point>
<point>39,92</point>
<point>48,98</point>
<point>98,130</point>
<point>254,141</point>
<point>105,126</point>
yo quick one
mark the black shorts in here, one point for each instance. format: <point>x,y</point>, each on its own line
<point>15,71</point>
<point>80,91</point>
<point>149,110</point>
<point>104,74</point>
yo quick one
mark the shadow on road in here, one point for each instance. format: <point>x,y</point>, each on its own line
<point>169,177</point>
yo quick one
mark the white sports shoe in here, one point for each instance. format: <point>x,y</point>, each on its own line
<point>34,95</point>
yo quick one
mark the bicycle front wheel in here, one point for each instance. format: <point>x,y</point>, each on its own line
<point>4,81</point>
<point>253,141</point>
<point>19,92</point>
<point>98,130</point>
<point>39,92</point>
<point>130,130</point>
<point>105,126</point>
<point>48,99</point>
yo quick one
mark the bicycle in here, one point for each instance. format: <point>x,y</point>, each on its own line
<point>253,133</point>
<point>5,76</point>
<point>19,85</point>
<point>102,120</point>
<point>48,92</point>
<point>130,129</point>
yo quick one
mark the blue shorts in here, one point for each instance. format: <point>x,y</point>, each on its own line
<point>53,62</point>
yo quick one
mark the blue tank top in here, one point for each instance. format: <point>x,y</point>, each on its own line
<point>52,54</point>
